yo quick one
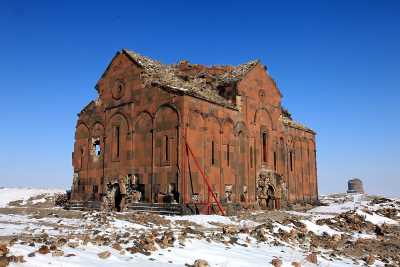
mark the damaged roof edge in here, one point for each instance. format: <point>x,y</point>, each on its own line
<point>294,124</point>
<point>181,92</point>
<point>168,74</point>
<point>106,70</point>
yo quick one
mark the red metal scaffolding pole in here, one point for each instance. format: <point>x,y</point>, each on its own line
<point>206,181</point>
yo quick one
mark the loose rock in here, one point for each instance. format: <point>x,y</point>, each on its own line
<point>312,258</point>
<point>104,254</point>
<point>57,253</point>
<point>43,249</point>
<point>276,262</point>
<point>3,250</point>
<point>200,263</point>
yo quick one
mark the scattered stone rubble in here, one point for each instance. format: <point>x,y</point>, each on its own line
<point>61,200</point>
<point>6,259</point>
<point>195,79</point>
<point>276,229</point>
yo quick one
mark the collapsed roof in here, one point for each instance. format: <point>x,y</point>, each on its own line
<point>215,83</point>
<point>288,121</point>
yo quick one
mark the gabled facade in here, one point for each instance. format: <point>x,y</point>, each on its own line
<point>248,146</point>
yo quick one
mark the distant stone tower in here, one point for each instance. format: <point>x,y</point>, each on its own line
<point>355,186</point>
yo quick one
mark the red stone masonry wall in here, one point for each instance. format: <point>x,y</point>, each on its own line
<point>140,129</point>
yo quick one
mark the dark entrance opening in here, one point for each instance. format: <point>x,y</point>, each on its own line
<point>156,191</point>
<point>141,189</point>
<point>117,197</point>
<point>271,198</point>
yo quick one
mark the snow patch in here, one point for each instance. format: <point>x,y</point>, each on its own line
<point>375,218</point>
<point>203,220</point>
<point>319,229</point>
<point>8,195</point>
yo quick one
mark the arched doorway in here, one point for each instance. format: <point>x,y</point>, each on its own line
<point>270,197</point>
<point>266,189</point>
<point>117,196</point>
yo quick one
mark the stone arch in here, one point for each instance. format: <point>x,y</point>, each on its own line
<point>81,147</point>
<point>281,156</point>
<point>96,142</point>
<point>313,170</point>
<point>263,117</point>
<point>241,127</point>
<point>267,189</point>
<point>166,143</point>
<point>227,120</point>
<point>306,168</point>
<point>166,117</point>
<point>271,196</point>
<point>228,131</point>
<point>118,129</point>
<point>196,136</point>
<point>143,122</point>
<point>82,131</point>
<point>142,139</point>
<point>228,142</point>
<point>242,147</point>
<point>228,159</point>
<point>213,141</point>
<point>97,129</point>
<point>170,108</point>
<point>196,120</point>
<point>213,153</point>
<point>122,117</point>
<point>142,147</point>
<point>212,117</point>
<point>298,161</point>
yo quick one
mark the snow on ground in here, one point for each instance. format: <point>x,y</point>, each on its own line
<point>375,218</point>
<point>340,203</point>
<point>319,229</point>
<point>246,249</point>
<point>8,195</point>
<point>124,224</point>
<point>278,226</point>
<point>217,254</point>
<point>203,220</point>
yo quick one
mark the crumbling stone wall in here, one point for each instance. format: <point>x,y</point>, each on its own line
<point>234,125</point>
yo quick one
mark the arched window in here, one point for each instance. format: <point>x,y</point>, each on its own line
<point>227,154</point>
<point>116,142</point>
<point>264,147</point>
<point>81,157</point>
<point>166,148</point>
<point>291,160</point>
<point>212,152</point>
<point>96,147</point>
<point>251,157</point>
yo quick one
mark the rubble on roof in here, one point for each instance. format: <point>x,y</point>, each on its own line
<point>288,121</point>
<point>194,79</point>
<point>286,113</point>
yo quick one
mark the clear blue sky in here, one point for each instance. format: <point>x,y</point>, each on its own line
<point>337,64</point>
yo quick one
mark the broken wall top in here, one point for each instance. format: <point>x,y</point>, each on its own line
<point>213,83</point>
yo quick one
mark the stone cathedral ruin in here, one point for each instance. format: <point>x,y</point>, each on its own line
<point>191,136</point>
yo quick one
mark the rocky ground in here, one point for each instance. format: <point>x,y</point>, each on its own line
<point>348,230</point>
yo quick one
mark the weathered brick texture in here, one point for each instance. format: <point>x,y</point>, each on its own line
<point>234,124</point>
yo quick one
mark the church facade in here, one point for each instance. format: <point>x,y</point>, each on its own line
<point>191,134</point>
